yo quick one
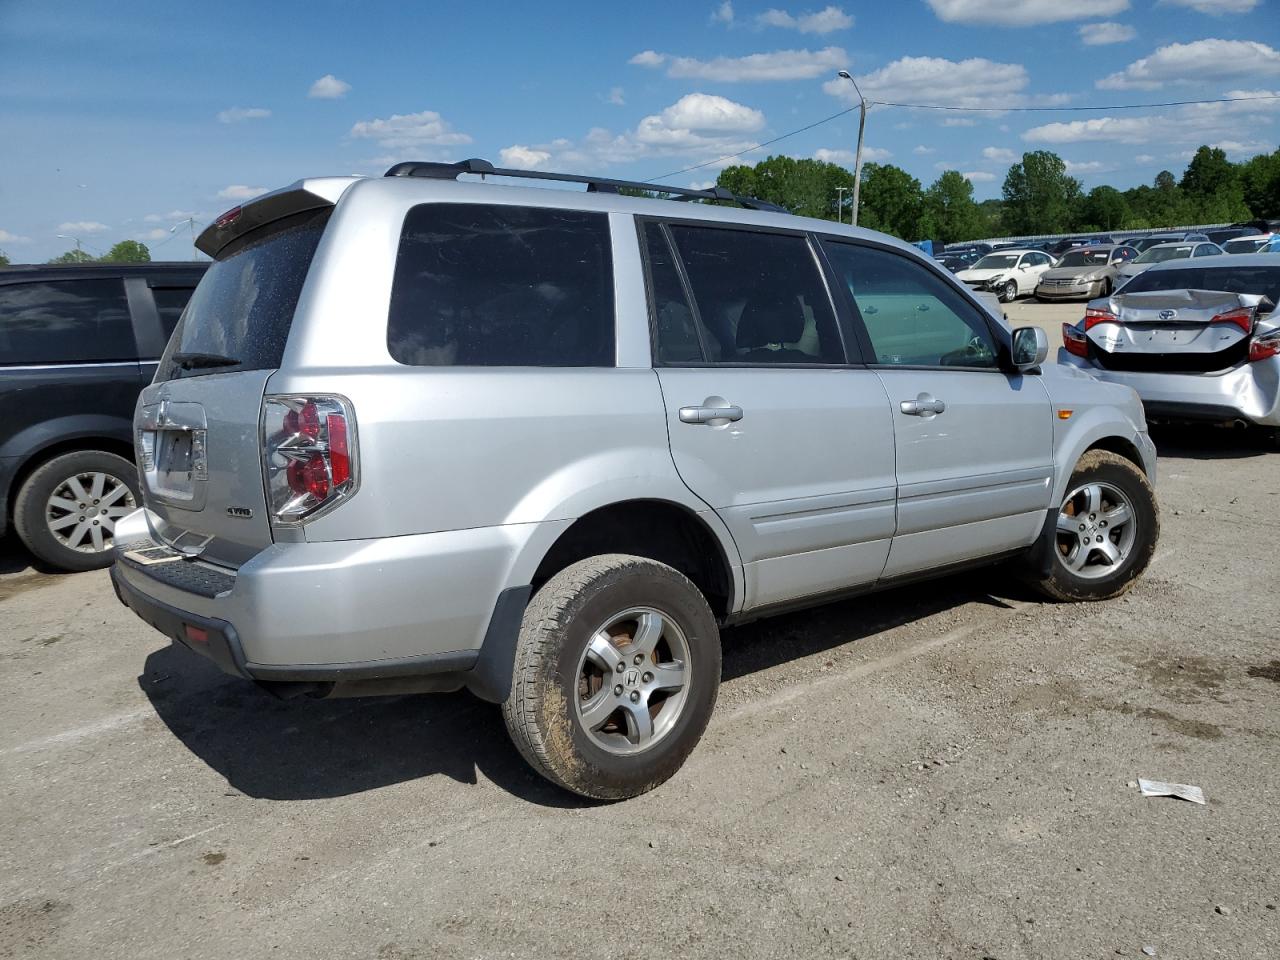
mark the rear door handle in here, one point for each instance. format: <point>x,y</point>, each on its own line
<point>710,414</point>
<point>922,406</point>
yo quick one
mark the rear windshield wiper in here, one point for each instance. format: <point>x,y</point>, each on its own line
<point>192,361</point>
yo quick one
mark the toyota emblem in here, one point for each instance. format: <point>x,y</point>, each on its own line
<point>1168,314</point>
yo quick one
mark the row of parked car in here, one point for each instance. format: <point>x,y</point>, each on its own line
<point>1081,268</point>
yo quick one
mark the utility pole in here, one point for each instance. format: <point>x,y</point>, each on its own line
<point>840,204</point>
<point>857,160</point>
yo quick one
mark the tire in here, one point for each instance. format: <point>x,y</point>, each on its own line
<point>49,495</point>
<point>556,677</point>
<point>1010,292</point>
<point>1104,290</point>
<point>1102,572</point>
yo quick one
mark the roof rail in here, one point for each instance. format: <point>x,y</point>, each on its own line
<point>451,171</point>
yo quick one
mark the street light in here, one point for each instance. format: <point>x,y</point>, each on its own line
<point>857,160</point>
<point>191,221</point>
<point>63,236</point>
<point>840,203</point>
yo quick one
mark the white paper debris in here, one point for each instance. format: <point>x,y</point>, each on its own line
<point>1184,791</point>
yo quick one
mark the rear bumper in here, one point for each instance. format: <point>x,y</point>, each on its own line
<point>339,611</point>
<point>1249,392</point>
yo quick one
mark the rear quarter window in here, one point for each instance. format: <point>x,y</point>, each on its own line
<point>495,285</point>
<point>65,321</point>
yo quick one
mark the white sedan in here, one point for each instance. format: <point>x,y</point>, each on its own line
<point>1007,273</point>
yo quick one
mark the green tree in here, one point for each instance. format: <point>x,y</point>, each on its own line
<point>1106,208</point>
<point>1260,183</point>
<point>73,256</point>
<point>1039,196</point>
<point>4,260</point>
<point>805,187</point>
<point>1211,184</point>
<point>891,201</point>
<point>950,213</point>
<point>128,251</point>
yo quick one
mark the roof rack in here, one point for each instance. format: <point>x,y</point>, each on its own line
<point>451,171</point>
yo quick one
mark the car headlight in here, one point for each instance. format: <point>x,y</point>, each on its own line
<point>996,282</point>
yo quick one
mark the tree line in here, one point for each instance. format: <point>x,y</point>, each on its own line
<point>1038,196</point>
<point>126,251</point>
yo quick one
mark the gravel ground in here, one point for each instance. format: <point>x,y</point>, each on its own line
<point>946,770</point>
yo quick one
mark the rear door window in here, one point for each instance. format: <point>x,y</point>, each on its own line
<point>243,307</point>
<point>759,298</point>
<point>65,321</point>
<point>170,302</point>
<point>496,285</point>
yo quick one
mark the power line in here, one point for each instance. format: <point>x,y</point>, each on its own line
<point>938,106</point>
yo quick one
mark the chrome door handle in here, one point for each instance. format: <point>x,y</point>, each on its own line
<point>710,414</point>
<point>922,406</point>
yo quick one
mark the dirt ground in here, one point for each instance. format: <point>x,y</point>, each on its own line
<point>943,771</point>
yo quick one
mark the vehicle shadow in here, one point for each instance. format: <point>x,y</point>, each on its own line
<point>14,557</point>
<point>306,749</point>
<point>1204,442</point>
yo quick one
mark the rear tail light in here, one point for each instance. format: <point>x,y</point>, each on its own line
<point>1265,347</point>
<point>1096,315</point>
<point>228,218</point>
<point>308,455</point>
<point>1241,317</point>
<point>1075,341</point>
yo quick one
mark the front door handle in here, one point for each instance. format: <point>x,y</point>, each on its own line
<point>923,405</point>
<point>711,414</point>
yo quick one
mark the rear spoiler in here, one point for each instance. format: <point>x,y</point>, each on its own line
<point>313,194</point>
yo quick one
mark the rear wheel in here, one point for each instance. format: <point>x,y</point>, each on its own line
<point>66,511</point>
<point>616,674</point>
<point>1106,530</point>
<point>1010,292</point>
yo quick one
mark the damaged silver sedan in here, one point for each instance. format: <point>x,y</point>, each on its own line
<point>1197,339</point>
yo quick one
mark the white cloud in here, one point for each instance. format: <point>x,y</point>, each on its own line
<point>847,158</point>
<point>523,158</point>
<point>1196,123</point>
<point>236,114</point>
<point>1023,13</point>
<point>7,237</point>
<point>1100,34</point>
<point>1143,158</point>
<point>169,217</point>
<point>1215,8</point>
<point>959,122</point>
<point>979,176</point>
<point>723,13</point>
<point>616,96</point>
<point>696,119</point>
<point>701,184</point>
<point>966,83</point>
<point>999,155</point>
<point>1245,149</point>
<point>827,20</point>
<point>778,65</point>
<point>328,87</point>
<point>944,165</point>
<point>401,130</point>
<point>1087,166</point>
<point>238,191</point>
<point>924,151</point>
<point>159,233</point>
<point>1200,61</point>
<point>82,226</point>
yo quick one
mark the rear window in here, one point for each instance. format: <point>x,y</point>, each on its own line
<point>1245,246</point>
<point>65,321</point>
<point>243,307</point>
<point>170,302</point>
<point>1263,280</point>
<point>493,285</point>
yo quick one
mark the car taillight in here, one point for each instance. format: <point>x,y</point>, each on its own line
<point>1074,340</point>
<point>228,218</point>
<point>308,455</point>
<point>1241,317</point>
<point>1265,347</point>
<point>1096,315</point>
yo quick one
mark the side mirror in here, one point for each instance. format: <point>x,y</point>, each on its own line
<point>1030,348</point>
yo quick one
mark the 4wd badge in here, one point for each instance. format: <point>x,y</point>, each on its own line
<point>243,512</point>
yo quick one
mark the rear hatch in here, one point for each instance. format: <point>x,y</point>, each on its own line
<point>197,425</point>
<point>1171,331</point>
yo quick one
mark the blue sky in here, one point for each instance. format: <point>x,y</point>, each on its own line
<point>118,121</point>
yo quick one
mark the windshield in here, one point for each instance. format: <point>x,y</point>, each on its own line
<point>1161,254</point>
<point>1263,280</point>
<point>1084,258</point>
<point>243,307</point>
<point>1251,245</point>
<point>997,261</point>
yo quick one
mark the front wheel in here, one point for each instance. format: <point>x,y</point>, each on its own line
<point>1010,292</point>
<point>616,674</point>
<point>1106,530</point>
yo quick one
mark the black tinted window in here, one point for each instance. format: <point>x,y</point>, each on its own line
<point>65,321</point>
<point>170,302</point>
<point>1263,280</point>
<point>243,307</point>
<point>912,316</point>
<point>760,297</point>
<point>482,285</point>
<point>676,335</point>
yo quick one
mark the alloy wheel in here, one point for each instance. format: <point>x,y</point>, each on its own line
<point>1096,530</point>
<point>82,511</point>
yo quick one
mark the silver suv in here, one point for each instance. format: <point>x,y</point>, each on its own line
<point>416,433</point>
